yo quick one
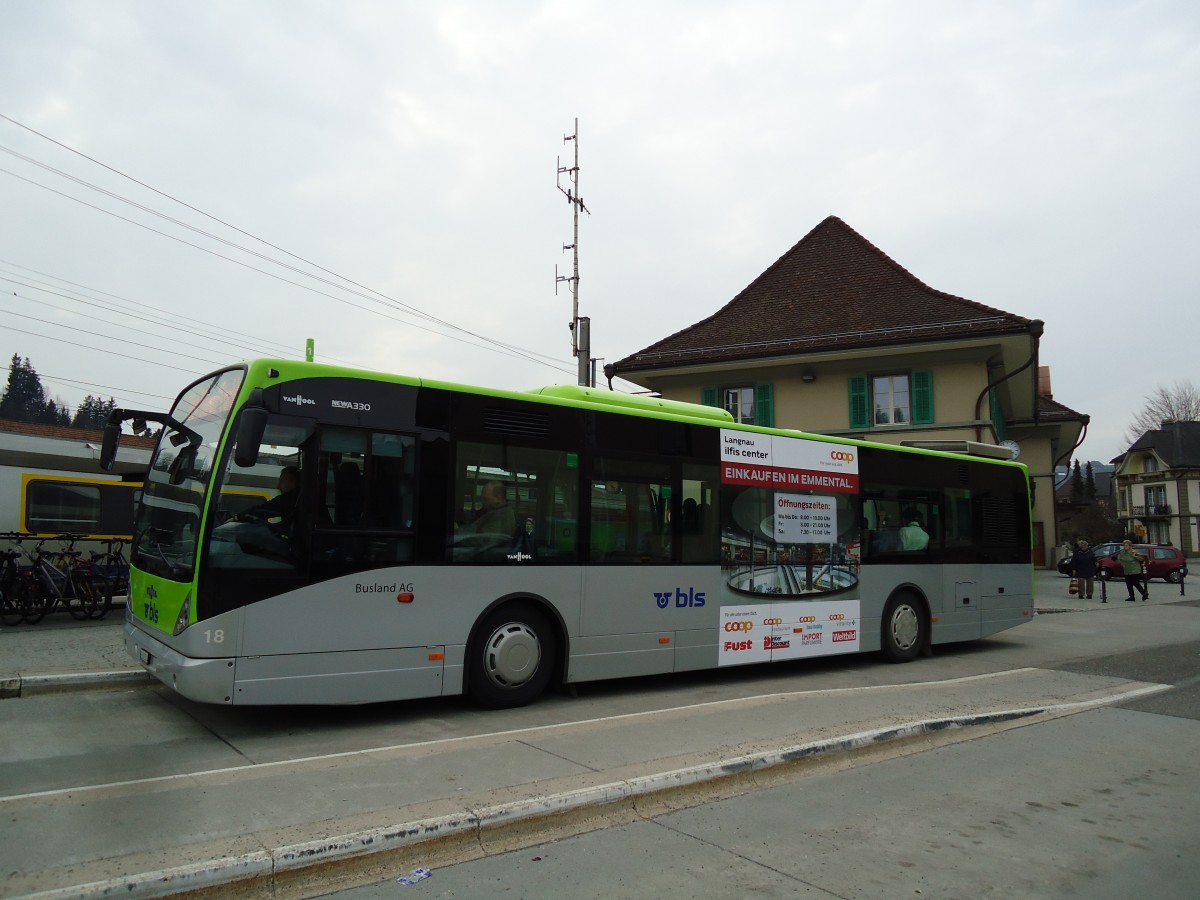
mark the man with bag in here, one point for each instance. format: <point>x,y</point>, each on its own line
<point>1083,567</point>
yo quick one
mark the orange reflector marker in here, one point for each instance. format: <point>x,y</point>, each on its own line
<point>934,619</point>
<point>436,657</point>
<point>404,598</point>
<point>664,640</point>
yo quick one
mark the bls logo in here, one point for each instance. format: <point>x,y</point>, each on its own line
<point>739,626</point>
<point>841,456</point>
<point>690,597</point>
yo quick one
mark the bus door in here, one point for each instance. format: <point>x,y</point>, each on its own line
<point>625,629</point>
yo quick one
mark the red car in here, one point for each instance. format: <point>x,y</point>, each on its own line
<point>1167,563</point>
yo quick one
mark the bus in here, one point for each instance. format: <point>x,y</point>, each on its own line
<point>446,539</point>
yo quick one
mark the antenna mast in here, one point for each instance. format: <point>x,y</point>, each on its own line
<point>581,339</point>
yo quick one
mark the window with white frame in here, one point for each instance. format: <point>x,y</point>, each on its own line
<point>739,401</point>
<point>890,395</point>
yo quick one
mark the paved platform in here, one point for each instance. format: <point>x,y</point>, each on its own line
<point>434,799</point>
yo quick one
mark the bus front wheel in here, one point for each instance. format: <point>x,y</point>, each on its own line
<point>511,657</point>
<point>904,628</point>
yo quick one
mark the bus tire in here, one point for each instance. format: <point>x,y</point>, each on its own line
<point>905,628</point>
<point>511,656</point>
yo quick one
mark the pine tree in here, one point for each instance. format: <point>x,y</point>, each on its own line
<point>1076,484</point>
<point>93,412</point>
<point>24,398</point>
<point>1089,484</point>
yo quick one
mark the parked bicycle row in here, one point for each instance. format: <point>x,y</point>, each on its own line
<point>36,580</point>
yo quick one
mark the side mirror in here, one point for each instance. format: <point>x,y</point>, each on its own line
<point>252,424</point>
<point>108,447</point>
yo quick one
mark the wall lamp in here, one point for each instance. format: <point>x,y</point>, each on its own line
<point>808,376</point>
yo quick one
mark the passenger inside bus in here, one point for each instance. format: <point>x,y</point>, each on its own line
<point>495,516</point>
<point>912,535</point>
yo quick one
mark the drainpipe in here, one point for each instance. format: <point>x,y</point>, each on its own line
<point>1036,327</point>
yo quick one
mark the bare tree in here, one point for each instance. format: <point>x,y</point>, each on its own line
<point>1179,403</point>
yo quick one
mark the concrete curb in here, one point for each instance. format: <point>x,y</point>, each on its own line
<point>473,823</point>
<point>23,685</point>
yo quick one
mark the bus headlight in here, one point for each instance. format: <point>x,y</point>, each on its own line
<point>185,613</point>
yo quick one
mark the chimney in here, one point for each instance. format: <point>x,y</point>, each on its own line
<point>1044,383</point>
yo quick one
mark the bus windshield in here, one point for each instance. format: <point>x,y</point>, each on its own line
<point>167,527</point>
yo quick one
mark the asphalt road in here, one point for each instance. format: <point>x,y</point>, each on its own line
<point>104,789</point>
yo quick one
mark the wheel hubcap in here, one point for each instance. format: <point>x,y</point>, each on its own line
<point>512,655</point>
<point>905,627</point>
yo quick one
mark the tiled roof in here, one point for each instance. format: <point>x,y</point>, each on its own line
<point>833,289</point>
<point>1052,411</point>
<point>1177,443</point>
<point>65,432</point>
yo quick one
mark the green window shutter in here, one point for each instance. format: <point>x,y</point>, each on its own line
<point>764,405</point>
<point>860,408</point>
<point>922,397</point>
<point>998,424</point>
<point>708,396</point>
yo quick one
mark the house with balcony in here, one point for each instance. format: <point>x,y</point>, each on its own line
<point>837,338</point>
<point>1157,486</point>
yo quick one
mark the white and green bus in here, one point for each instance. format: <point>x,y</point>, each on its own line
<point>447,539</point>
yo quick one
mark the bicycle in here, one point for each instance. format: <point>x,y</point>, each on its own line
<point>14,588</point>
<point>65,581</point>
<point>111,573</point>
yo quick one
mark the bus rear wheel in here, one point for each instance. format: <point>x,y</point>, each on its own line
<point>511,657</point>
<point>905,628</point>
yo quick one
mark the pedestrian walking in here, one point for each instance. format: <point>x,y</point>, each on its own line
<point>1131,564</point>
<point>1083,567</point>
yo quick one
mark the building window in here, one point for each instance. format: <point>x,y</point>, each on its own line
<point>1149,464</point>
<point>749,404</point>
<point>890,396</point>
<point>892,399</point>
<point>739,401</point>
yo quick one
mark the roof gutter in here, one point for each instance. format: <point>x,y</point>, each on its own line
<point>1036,327</point>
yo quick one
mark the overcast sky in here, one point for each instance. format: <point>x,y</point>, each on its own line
<point>1039,157</point>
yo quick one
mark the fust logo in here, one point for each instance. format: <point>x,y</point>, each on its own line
<point>734,646</point>
<point>684,597</point>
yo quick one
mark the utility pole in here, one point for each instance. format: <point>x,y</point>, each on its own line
<point>581,337</point>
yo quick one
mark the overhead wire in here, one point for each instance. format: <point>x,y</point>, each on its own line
<point>378,297</point>
<point>491,346</point>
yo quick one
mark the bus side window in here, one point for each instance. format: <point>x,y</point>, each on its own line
<point>631,512</point>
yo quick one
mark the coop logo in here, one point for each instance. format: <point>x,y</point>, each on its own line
<point>772,621</point>
<point>776,643</point>
<point>684,597</point>
<point>739,626</point>
<point>806,619</point>
<point>840,637</point>
<point>841,456</point>
<point>300,400</point>
<point>837,617</point>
